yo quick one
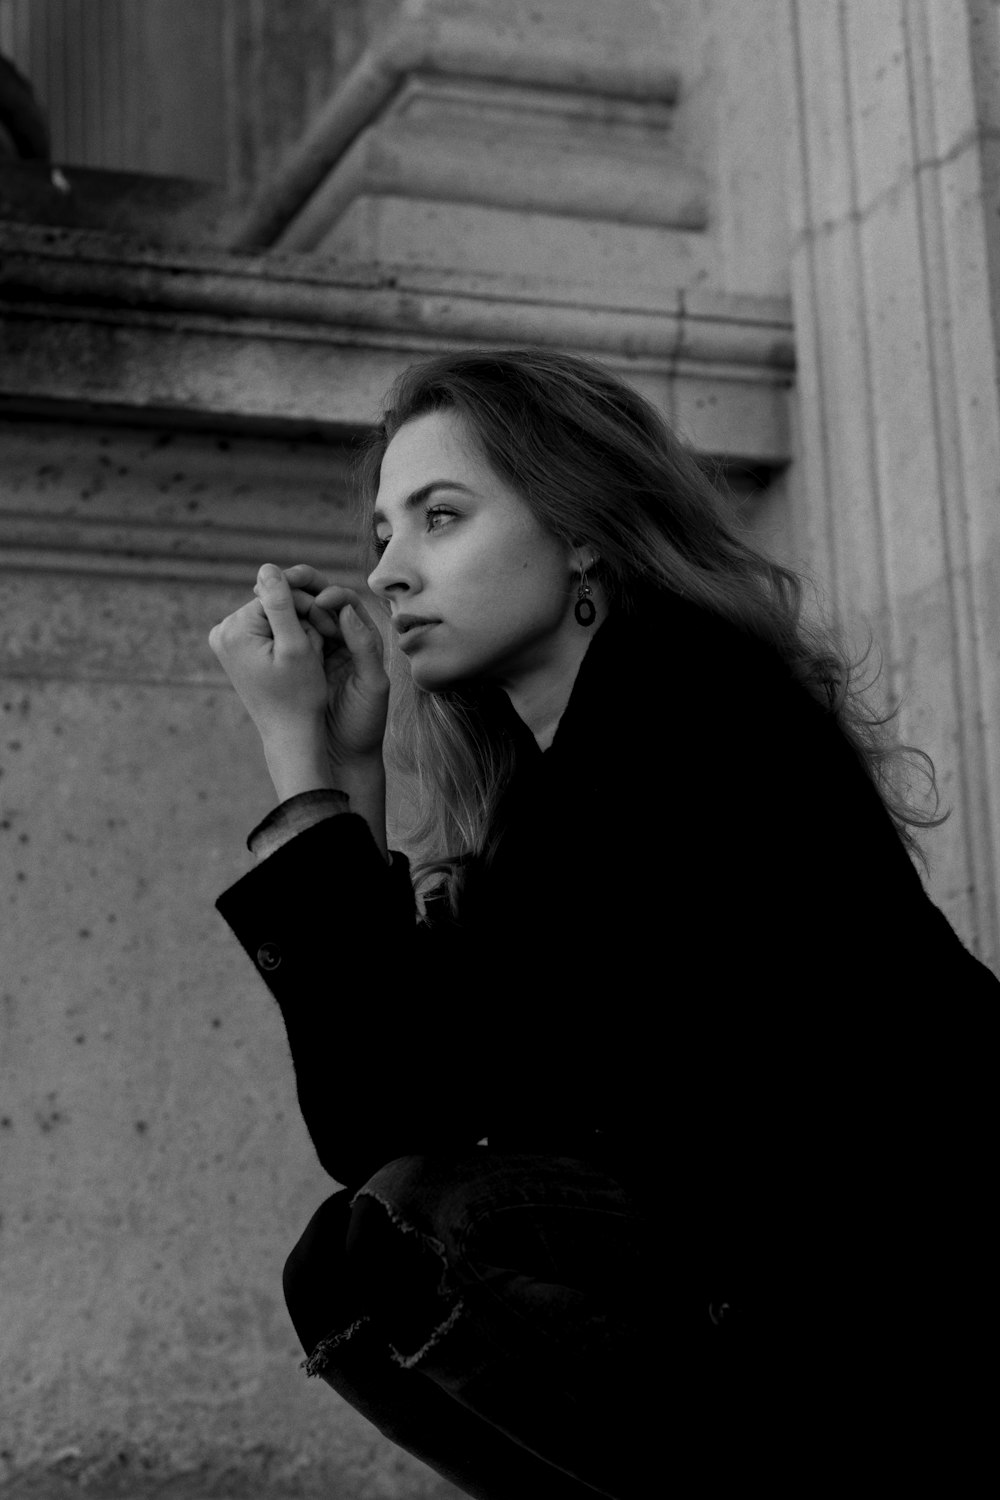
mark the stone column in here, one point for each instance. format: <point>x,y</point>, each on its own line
<point>894,114</point>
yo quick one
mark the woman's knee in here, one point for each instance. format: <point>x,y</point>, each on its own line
<point>312,1270</point>
<point>341,1253</point>
<point>430,1193</point>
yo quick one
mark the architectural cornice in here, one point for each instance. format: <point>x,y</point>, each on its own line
<point>89,319</point>
<point>424,42</point>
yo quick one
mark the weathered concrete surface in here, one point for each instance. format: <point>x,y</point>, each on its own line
<point>137,503</point>
<point>154,1168</point>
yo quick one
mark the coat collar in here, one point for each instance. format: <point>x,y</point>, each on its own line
<point>666,659</point>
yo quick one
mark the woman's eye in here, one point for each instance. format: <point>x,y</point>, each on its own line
<point>438,510</point>
<point>434,510</point>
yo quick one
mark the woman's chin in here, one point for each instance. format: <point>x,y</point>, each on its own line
<point>426,675</point>
<point>436,677</point>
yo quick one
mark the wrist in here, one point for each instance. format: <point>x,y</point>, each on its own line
<point>297,763</point>
<point>364,782</point>
<point>294,736</point>
<point>358,772</point>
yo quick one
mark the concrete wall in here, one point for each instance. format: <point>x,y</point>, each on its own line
<point>155,1168</point>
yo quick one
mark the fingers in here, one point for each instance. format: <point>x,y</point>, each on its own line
<point>342,605</point>
<point>295,619</point>
<point>306,581</point>
<point>335,596</point>
<point>332,597</point>
<point>275,596</point>
<point>365,644</point>
<point>315,600</point>
<point>302,576</point>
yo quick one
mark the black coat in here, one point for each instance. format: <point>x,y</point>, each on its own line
<point>701,937</point>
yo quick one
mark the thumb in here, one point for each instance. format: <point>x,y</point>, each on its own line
<point>279,606</point>
<point>364,641</point>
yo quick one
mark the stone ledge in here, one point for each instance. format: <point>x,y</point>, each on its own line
<point>57,260</point>
<point>530,175</point>
<point>97,319</point>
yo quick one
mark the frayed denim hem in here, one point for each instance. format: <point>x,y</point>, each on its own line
<point>320,1358</point>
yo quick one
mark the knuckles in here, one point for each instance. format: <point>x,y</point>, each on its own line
<point>319,613</point>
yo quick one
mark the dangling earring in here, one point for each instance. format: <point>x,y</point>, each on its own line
<point>585,612</point>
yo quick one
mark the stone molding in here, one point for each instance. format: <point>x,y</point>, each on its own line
<point>893,196</point>
<point>132,504</point>
<point>613,172</point>
<point>423,42</point>
<point>126,547</point>
<point>94,321</point>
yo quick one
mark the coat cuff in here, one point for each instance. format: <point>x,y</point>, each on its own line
<point>293,816</point>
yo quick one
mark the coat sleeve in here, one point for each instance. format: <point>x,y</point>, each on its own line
<point>368,995</point>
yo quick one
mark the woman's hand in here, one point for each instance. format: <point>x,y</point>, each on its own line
<point>304,665</point>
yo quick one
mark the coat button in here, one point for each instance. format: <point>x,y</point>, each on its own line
<point>269,956</point>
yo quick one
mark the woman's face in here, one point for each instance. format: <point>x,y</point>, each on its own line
<point>472,557</point>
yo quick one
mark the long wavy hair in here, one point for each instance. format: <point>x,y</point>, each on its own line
<point>596,464</point>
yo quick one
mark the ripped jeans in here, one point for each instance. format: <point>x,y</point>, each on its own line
<point>494,1314</point>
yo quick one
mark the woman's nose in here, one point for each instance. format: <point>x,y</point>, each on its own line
<point>382,580</point>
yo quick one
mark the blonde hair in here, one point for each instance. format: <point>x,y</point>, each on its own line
<point>596,464</point>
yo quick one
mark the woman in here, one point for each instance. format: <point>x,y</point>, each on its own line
<point>652,1070</point>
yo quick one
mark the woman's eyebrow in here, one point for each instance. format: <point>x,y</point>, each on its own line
<point>412,501</point>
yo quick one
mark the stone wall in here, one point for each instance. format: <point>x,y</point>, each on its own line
<point>893,192</point>
<point>155,1167</point>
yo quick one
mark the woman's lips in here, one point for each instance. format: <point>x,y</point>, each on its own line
<point>414,633</point>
